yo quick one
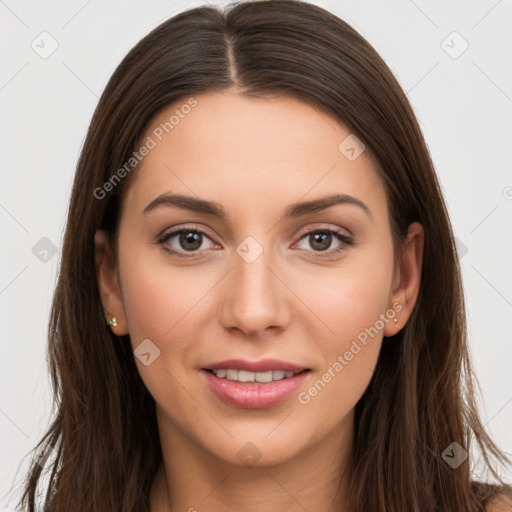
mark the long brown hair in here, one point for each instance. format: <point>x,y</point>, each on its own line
<point>421,398</point>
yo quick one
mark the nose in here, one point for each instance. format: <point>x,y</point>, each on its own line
<point>255,298</point>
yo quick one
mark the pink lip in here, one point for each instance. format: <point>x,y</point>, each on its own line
<point>253,395</point>
<point>265,365</point>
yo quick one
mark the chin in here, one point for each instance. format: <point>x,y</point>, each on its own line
<point>254,449</point>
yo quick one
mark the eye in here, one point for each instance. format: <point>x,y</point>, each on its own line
<point>321,239</point>
<point>191,240</point>
<point>184,240</point>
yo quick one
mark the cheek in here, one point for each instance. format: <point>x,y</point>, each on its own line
<point>164,305</point>
<point>351,303</point>
<point>349,358</point>
<point>351,344</point>
<point>159,299</point>
<point>347,300</point>
<point>159,309</point>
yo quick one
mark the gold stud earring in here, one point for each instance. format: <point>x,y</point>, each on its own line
<point>396,322</point>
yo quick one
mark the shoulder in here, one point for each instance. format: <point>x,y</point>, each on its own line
<point>500,503</point>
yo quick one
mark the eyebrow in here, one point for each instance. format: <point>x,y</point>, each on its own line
<point>212,208</point>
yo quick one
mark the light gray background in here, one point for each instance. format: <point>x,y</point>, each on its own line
<point>463,104</point>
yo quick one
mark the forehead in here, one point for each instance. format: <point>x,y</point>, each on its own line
<point>261,151</point>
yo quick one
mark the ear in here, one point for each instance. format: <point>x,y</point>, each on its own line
<point>108,284</point>
<point>406,278</point>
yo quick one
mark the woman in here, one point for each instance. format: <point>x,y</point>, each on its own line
<point>256,218</point>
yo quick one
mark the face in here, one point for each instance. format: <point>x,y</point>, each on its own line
<point>310,289</point>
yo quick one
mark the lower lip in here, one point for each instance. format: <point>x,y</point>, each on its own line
<point>253,395</point>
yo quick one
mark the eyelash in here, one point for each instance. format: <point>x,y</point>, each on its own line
<point>346,241</point>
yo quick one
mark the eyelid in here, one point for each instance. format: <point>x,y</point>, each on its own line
<point>180,227</point>
<point>324,227</point>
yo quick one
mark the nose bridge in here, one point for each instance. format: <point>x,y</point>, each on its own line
<point>254,299</point>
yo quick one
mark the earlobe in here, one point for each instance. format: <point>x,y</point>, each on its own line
<point>407,279</point>
<point>108,285</point>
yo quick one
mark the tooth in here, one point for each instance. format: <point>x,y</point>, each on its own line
<point>232,374</point>
<point>245,376</point>
<point>263,377</point>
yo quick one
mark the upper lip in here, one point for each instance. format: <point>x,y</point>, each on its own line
<point>265,365</point>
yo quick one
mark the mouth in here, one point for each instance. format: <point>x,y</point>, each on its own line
<point>254,385</point>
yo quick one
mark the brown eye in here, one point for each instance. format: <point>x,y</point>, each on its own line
<point>183,241</point>
<point>320,240</point>
<point>190,240</point>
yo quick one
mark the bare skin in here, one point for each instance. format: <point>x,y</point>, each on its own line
<point>295,302</point>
